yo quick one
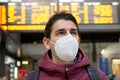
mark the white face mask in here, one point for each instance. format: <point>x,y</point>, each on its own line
<point>66,48</point>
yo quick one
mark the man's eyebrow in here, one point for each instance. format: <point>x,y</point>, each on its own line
<point>74,29</point>
<point>59,30</point>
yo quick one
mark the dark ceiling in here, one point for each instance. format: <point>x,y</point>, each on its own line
<point>31,37</point>
<point>85,37</point>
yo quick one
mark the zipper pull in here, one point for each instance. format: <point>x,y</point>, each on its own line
<point>66,68</point>
<point>67,75</point>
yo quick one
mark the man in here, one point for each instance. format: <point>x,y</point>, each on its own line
<point>64,60</point>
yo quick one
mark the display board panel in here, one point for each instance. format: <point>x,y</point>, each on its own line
<point>28,14</point>
<point>3,14</point>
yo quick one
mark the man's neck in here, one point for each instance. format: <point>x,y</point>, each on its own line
<point>57,60</point>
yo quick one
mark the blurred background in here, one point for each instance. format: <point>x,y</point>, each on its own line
<point>22,23</point>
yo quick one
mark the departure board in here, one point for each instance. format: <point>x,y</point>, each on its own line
<point>23,14</point>
<point>3,14</point>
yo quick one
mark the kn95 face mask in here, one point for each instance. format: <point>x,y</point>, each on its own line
<point>66,48</point>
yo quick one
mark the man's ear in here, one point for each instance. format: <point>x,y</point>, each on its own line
<point>46,43</point>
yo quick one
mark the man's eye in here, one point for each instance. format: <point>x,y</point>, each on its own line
<point>60,33</point>
<point>73,33</point>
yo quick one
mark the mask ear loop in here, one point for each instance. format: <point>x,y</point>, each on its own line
<point>53,45</point>
<point>52,42</point>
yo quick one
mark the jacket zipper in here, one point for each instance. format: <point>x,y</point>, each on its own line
<point>66,68</point>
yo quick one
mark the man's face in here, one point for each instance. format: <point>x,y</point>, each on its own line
<point>62,28</point>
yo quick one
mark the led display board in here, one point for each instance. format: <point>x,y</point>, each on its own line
<point>25,15</point>
<point>3,14</point>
